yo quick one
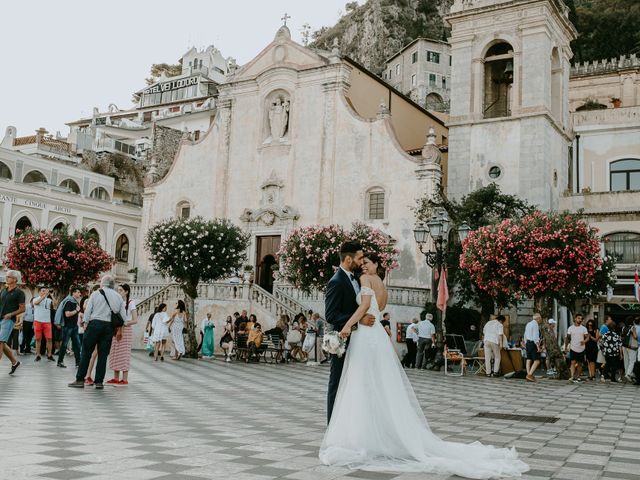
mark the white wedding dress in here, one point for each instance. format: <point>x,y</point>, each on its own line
<point>377,423</point>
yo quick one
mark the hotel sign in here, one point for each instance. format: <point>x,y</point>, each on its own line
<point>172,85</point>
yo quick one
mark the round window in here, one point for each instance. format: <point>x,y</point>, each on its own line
<point>495,172</point>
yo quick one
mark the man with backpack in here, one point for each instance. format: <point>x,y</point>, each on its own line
<point>67,319</point>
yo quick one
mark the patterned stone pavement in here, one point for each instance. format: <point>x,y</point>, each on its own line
<point>192,420</point>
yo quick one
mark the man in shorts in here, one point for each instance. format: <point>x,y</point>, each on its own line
<point>577,335</point>
<point>12,302</point>
<point>42,327</point>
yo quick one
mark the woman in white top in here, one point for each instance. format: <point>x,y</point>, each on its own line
<point>160,331</point>
<point>176,325</point>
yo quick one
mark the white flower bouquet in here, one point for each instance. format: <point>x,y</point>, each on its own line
<point>334,344</point>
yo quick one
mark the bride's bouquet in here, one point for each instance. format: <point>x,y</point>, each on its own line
<point>334,344</point>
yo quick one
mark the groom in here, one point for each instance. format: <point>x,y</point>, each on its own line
<point>340,304</point>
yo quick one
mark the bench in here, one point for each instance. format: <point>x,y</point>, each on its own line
<point>272,349</point>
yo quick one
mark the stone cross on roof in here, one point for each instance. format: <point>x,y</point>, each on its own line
<point>285,18</point>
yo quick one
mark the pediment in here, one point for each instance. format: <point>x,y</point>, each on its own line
<point>282,52</point>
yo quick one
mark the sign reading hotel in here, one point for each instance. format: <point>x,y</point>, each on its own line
<point>172,85</point>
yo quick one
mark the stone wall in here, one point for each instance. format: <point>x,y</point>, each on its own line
<point>165,142</point>
<point>125,171</point>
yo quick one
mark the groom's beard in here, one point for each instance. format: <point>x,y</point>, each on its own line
<point>357,271</point>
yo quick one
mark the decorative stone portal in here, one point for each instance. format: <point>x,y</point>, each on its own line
<point>266,250</point>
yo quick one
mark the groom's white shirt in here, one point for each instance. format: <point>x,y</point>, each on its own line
<point>351,277</point>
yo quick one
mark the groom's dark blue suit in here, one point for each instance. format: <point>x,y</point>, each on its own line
<point>339,304</point>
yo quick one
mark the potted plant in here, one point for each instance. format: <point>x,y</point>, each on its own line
<point>248,271</point>
<point>617,103</point>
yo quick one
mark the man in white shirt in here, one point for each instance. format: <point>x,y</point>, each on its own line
<point>577,335</point>
<point>493,341</point>
<point>426,339</point>
<point>411,339</point>
<point>42,306</point>
<point>532,341</point>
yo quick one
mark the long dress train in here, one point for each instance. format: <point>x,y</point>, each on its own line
<point>377,423</point>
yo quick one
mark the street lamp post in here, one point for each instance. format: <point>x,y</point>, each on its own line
<point>438,228</point>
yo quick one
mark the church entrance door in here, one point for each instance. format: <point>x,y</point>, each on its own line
<point>266,249</point>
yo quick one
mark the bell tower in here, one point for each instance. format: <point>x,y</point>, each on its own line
<point>509,118</point>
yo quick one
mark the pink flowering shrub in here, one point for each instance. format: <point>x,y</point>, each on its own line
<point>57,259</point>
<point>309,255</point>
<point>540,255</point>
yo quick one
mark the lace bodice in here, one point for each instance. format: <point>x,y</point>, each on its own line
<point>374,309</point>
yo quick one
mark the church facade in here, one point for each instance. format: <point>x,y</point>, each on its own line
<point>304,137</point>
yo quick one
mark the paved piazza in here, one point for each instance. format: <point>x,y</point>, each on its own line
<point>207,419</point>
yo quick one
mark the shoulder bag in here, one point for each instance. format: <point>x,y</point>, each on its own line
<point>116,319</point>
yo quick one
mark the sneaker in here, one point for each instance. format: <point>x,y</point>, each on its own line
<point>113,381</point>
<point>37,359</point>
<point>77,384</point>
<point>62,365</point>
<point>628,378</point>
<point>123,383</point>
<point>51,359</point>
<point>576,380</point>
<point>228,360</point>
<point>99,386</point>
<point>88,382</point>
<point>602,380</point>
<point>14,367</point>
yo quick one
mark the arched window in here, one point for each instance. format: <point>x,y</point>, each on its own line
<point>624,247</point>
<point>94,233</point>
<point>498,80</point>
<point>434,102</point>
<point>23,224</point>
<point>375,204</point>
<point>183,210</point>
<point>624,175</point>
<point>60,227</point>
<point>99,193</point>
<point>70,185</point>
<point>5,172</point>
<point>35,176</point>
<point>556,86</point>
<point>122,249</point>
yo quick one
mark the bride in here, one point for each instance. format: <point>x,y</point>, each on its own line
<point>377,423</point>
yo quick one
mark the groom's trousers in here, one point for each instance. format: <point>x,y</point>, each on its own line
<point>334,381</point>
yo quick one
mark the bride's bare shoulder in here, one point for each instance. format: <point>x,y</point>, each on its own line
<point>369,280</point>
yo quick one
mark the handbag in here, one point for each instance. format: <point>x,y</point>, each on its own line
<point>116,319</point>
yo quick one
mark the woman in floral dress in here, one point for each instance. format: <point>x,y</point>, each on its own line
<point>120,354</point>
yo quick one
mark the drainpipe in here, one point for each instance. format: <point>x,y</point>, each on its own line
<point>578,163</point>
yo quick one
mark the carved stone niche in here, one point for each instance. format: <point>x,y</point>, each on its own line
<point>277,118</point>
<point>271,211</point>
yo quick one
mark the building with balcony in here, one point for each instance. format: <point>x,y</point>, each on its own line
<point>422,71</point>
<point>184,103</point>
<point>48,194</point>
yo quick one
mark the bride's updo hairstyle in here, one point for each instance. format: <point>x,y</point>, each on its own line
<point>374,258</point>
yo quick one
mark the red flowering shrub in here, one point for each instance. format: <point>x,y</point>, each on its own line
<point>309,255</point>
<point>57,259</point>
<point>540,255</point>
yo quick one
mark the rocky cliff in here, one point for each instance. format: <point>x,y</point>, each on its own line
<point>372,32</point>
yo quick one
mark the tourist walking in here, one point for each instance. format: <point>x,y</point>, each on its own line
<point>611,345</point>
<point>99,333</point>
<point>27,329</point>
<point>207,329</point>
<point>532,342</point>
<point>176,327</point>
<point>426,340</point>
<point>493,333</point>
<point>67,318</point>
<point>120,353</point>
<point>630,349</point>
<point>411,340</point>
<point>12,302</point>
<point>577,336</point>
<point>42,306</point>
<point>160,332</point>
<point>591,348</point>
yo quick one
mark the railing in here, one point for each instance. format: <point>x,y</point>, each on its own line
<point>290,302</point>
<point>270,303</point>
<point>413,297</point>
<point>609,116</point>
<point>223,291</point>
<point>144,291</point>
<point>169,292</point>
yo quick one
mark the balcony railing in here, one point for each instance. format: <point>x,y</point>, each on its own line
<point>624,251</point>
<point>609,116</point>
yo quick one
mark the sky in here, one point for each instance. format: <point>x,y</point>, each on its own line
<point>61,58</point>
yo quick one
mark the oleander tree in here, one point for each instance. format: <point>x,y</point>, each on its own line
<point>309,255</point>
<point>544,257</point>
<point>57,259</point>
<point>194,250</point>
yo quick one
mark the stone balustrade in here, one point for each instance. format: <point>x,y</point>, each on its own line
<point>609,116</point>
<point>597,67</point>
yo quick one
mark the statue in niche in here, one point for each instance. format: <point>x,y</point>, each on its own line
<point>278,118</point>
